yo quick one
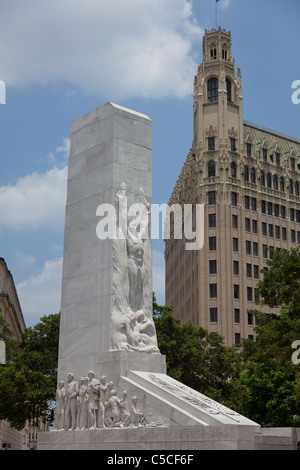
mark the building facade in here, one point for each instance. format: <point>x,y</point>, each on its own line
<point>248,179</point>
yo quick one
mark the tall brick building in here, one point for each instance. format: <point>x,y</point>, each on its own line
<point>248,179</point>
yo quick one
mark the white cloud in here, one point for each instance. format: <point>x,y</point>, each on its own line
<point>41,294</point>
<point>113,48</point>
<point>35,201</point>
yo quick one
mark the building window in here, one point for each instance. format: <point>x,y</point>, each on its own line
<point>212,220</point>
<point>256,295</point>
<point>236,291</point>
<point>282,212</point>
<point>297,188</point>
<point>265,154</point>
<point>212,291</point>
<point>233,170</point>
<point>253,176</point>
<point>277,232</point>
<point>212,89</point>
<point>236,315</point>
<point>234,221</point>
<point>262,178</point>
<point>235,244</point>
<point>248,150</point>
<point>247,202</point>
<point>277,158</point>
<point>293,236</point>
<point>212,243</point>
<point>297,215</point>
<point>291,188</point>
<point>276,210</point>
<point>246,173</point>
<point>265,251</point>
<point>213,313</point>
<point>275,182</point>
<point>263,207</point>
<point>211,169</point>
<point>283,231</point>
<point>211,197</point>
<point>254,226</point>
<point>264,228</point>
<point>213,266</point>
<point>292,214</point>
<point>232,144</point>
<point>228,88</point>
<point>250,318</point>
<point>253,204</point>
<point>255,271</point>
<point>270,208</point>
<point>235,268</point>
<point>237,338</point>
<point>234,198</point>
<point>248,247</point>
<point>269,180</point>
<point>249,294</point>
<point>255,249</point>
<point>211,143</point>
<point>247,224</point>
<point>281,184</point>
<point>249,270</point>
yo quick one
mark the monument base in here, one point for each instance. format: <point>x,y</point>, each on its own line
<point>227,437</point>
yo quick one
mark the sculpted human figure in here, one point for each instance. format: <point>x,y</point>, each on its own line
<point>112,409</point>
<point>93,393</point>
<point>124,411</point>
<point>60,405</point>
<point>103,395</point>
<point>71,402</point>
<point>136,415</point>
<point>81,403</point>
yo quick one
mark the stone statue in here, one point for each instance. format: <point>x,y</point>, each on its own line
<point>112,409</point>
<point>124,411</point>
<point>60,405</point>
<point>137,417</point>
<point>71,403</point>
<point>103,394</point>
<point>93,394</point>
<point>81,403</point>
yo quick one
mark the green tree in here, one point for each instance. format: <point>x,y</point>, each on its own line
<point>270,375</point>
<point>28,381</point>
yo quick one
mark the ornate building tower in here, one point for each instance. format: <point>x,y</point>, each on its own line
<point>247,178</point>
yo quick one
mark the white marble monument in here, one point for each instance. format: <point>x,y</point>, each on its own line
<point>113,390</point>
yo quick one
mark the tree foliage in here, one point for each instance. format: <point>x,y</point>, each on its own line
<point>28,380</point>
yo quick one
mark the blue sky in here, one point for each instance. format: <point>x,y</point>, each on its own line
<point>63,58</point>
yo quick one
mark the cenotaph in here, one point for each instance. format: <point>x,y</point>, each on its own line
<point>113,390</point>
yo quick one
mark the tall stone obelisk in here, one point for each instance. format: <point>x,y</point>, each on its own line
<point>105,325</point>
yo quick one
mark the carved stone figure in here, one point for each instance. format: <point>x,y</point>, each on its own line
<point>81,404</point>
<point>93,394</point>
<point>60,405</point>
<point>112,409</point>
<point>103,395</point>
<point>71,403</point>
<point>137,418</point>
<point>124,411</point>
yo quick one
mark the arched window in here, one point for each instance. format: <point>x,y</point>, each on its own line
<point>253,176</point>
<point>269,180</point>
<point>297,188</point>
<point>233,170</point>
<point>212,89</point>
<point>262,178</point>
<point>211,169</point>
<point>291,188</point>
<point>275,182</point>
<point>246,173</point>
<point>228,89</point>
<point>281,183</point>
